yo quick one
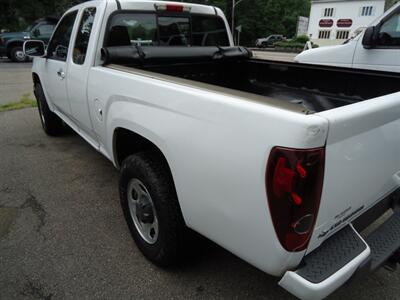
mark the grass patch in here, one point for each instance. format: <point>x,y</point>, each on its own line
<point>24,102</point>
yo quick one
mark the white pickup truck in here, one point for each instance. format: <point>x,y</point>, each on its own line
<point>283,164</point>
<point>377,47</point>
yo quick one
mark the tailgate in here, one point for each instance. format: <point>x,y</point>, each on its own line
<point>362,162</point>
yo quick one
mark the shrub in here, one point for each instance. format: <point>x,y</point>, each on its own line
<point>302,39</point>
<point>295,44</point>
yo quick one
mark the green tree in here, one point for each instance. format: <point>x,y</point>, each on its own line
<point>259,18</point>
<point>17,14</point>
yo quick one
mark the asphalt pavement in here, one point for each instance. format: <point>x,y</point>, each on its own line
<point>63,236</point>
<point>15,80</point>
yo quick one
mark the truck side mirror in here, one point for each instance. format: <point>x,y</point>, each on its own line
<point>368,39</point>
<point>34,48</point>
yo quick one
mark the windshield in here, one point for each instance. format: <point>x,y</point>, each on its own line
<point>30,27</point>
<point>150,29</point>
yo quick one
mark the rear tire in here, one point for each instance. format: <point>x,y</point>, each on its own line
<point>149,170</point>
<point>17,54</point>
<point>51,123</point>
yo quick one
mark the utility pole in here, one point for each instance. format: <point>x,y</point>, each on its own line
<point>239,30</point>
<point>234,4</point>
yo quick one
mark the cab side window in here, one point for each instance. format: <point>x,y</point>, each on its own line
<point>83,36</point>
<point>389,32</point>
<point>58,47</point>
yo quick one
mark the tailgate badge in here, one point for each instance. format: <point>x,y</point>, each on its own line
<point>343,220</point>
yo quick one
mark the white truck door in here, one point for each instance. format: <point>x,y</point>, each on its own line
<point>385,55</point>
<point>55,67</point>
<point>78,67</point>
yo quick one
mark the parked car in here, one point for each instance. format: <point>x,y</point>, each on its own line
<point>11,42</point>
<point>282,164</point>
<point>375,48</point>
<point>269,41</point>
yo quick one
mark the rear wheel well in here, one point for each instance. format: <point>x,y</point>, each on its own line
<point>127,142</point>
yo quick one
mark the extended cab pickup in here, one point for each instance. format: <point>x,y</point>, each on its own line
<point>283,164</point>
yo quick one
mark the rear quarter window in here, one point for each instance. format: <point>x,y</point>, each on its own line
<point>83,36</point>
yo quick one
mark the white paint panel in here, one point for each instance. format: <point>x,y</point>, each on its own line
<point>362,156</point>
<point>217,146</point>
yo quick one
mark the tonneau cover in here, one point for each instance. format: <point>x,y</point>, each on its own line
<point>149,54</point>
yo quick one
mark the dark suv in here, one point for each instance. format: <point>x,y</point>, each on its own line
<point>11,42</point>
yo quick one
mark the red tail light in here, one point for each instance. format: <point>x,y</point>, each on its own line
<point>294,184</point>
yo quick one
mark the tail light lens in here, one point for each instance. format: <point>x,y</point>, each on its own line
<point>294,184</point>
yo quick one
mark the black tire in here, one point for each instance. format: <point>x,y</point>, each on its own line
<point>16,54</point>
<point>51,123</point>
<point>153,172</point>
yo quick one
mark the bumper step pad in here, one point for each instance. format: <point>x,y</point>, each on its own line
<point>342,256</point>
<point>384,241</point>
<point>332,255</point>
<point>344,246</point>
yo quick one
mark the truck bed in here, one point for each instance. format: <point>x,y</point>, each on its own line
<point>309,87</point>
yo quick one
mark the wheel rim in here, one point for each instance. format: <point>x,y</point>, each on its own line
<point>19,55</point>
<point>142,211</point>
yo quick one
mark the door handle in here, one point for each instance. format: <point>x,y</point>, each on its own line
<point>61,74</point>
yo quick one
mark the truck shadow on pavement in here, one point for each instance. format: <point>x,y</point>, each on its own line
<point>62,233</point>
